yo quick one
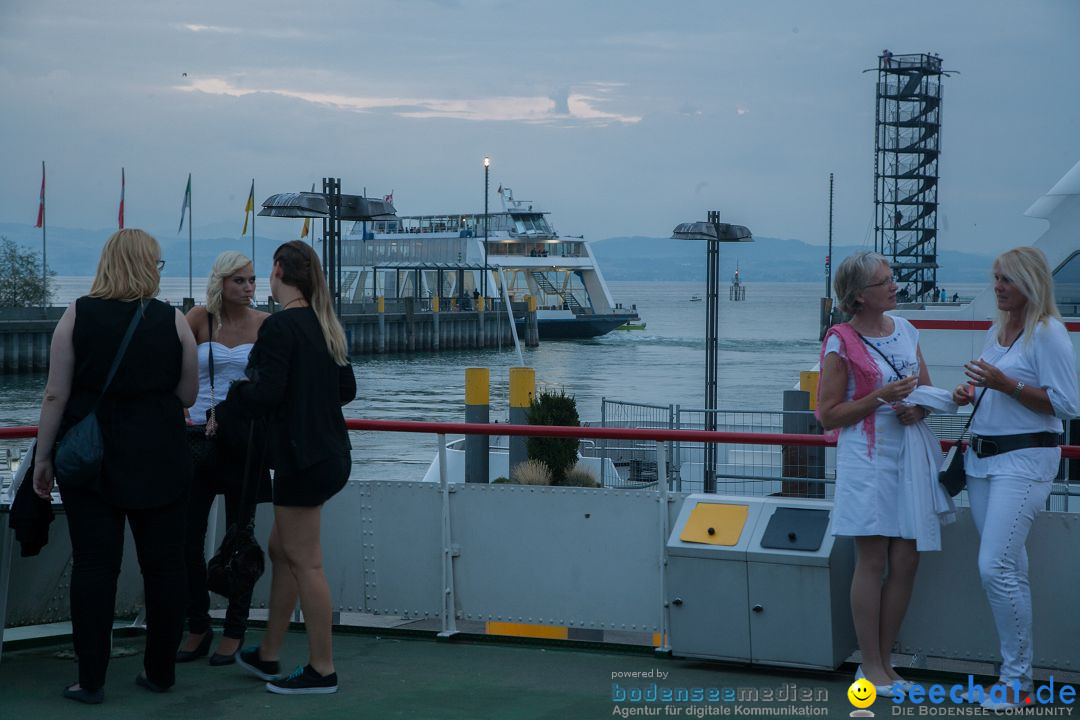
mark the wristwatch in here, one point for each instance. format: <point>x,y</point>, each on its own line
<point>1017,390</point>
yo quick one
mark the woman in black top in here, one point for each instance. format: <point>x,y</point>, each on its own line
<point>146,470</point>
<point>299,376</point>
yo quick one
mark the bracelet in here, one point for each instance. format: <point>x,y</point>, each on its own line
<point>1017,390</point>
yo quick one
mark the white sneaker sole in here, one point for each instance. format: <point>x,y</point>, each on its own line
<point>256,671</point>
<point>301,691</point>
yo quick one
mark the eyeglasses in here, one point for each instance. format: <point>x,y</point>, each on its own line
<point>886,281</point>
<point>160,264</point>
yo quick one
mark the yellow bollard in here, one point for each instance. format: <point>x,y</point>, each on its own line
<point>808,382</point>
<point>522,392</point>
<point>477,410</point>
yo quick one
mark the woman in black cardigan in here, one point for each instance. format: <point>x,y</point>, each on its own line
<point>299,376</point>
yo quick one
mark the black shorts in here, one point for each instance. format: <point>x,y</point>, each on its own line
<point>313,485</point>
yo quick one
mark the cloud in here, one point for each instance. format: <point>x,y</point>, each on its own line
<point>565,106</point>
<point>274,33</point>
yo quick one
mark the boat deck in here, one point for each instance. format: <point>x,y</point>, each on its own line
<point>399,676</point>
<point>394,674</point>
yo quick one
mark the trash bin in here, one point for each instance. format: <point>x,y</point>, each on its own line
<point>759,580</point>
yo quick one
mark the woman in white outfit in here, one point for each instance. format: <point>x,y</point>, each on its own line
<point>1027,372</point>
<point>869,365</point>
<point>227,326</point>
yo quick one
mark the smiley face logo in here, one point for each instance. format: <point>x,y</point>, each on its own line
<point>862,693</point>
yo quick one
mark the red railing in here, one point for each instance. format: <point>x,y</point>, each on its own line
<point>700,436</point>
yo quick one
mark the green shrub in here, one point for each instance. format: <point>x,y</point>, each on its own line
<point>559,454</point>
<point>502,480</point>
<point>531,472</point>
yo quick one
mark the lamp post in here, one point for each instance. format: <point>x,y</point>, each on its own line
<point>487,167</point>
<point>713,232</point>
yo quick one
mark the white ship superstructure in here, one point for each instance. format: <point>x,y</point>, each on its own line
<point>446,256</point>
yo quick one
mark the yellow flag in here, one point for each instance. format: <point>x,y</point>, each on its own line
<point>249,208</point>
<point>307,221</point>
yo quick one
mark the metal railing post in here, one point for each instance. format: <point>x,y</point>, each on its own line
<point>662,501</point>
<point>449,614</point>
<point>603,443</point>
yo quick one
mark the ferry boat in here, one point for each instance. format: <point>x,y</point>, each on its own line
<point>446,256</point>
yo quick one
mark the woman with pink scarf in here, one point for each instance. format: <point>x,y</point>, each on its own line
<point>869,365</point>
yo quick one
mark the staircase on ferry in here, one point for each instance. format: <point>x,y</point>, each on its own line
<point>568,298</point>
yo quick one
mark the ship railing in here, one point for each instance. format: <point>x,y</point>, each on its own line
<point>748,462</point>
<point>757,469</point>
<point>407,305</point>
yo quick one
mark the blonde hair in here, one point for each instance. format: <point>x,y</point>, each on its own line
<point>300,269</point>
<point>226,264</point>
<point>128,267</point>
<point>1028,270</point>
<point>852,277</point>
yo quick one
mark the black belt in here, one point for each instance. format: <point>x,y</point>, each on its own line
<point>987,445</point>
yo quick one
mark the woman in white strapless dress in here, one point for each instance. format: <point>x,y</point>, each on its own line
<point>227,327</point>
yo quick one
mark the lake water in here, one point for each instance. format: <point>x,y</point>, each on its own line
<point>764,342</point>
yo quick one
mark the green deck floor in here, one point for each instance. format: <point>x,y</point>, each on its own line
<point>407,677</point>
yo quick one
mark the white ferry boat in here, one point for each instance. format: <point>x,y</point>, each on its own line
<point>952,334</point>
<point>446,256</point>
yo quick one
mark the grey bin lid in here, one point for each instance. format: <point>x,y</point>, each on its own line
<point>796,529</point>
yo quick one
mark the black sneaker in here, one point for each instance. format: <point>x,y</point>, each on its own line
<point>304,681</point>
<point>249,659</point>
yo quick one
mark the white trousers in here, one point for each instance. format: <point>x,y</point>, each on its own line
<point>1004,508</point>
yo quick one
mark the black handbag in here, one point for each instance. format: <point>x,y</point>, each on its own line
<point>239,561</point>
<point>79,454</point>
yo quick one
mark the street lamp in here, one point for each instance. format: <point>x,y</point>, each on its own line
<point>487,167</point>
<point>713,232</point>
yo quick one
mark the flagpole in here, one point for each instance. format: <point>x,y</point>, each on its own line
<point>190,290</point>
<point>253,213</point>
<point>44,265</point>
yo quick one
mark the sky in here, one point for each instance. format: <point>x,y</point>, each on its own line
<point>621,117</point>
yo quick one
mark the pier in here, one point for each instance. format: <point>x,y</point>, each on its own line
<point>387,325</point>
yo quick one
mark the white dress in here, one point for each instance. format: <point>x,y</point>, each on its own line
<point>868,485</point>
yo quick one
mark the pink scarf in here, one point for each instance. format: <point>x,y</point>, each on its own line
<point>863,369</point>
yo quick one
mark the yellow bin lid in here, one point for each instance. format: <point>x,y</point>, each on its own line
<point>715,524</point>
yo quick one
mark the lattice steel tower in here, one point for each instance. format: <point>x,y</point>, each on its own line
<point>907,143</point>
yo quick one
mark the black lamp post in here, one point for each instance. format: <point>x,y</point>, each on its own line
<point>713,232</point>
<point>487,167</point>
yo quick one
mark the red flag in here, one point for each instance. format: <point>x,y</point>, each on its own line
<point>41,201</point>
<point>389,198</point>
<point>122,183</point>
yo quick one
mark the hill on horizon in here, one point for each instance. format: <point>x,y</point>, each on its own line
<point>765,259</point>
<point>75,251</point>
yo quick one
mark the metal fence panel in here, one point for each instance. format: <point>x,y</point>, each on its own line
<point>578,557</point>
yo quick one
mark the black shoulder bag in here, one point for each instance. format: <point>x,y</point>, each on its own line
<point>239,562</point>
<point>953,476</point>
<point>78,457</point>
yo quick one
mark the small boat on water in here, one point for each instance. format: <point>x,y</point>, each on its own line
<point>447,256</point>
<point>695,298</point>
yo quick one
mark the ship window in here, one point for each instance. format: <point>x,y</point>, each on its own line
<point>1067,286</point>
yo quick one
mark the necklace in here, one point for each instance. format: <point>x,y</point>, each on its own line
<point>294,300</point>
